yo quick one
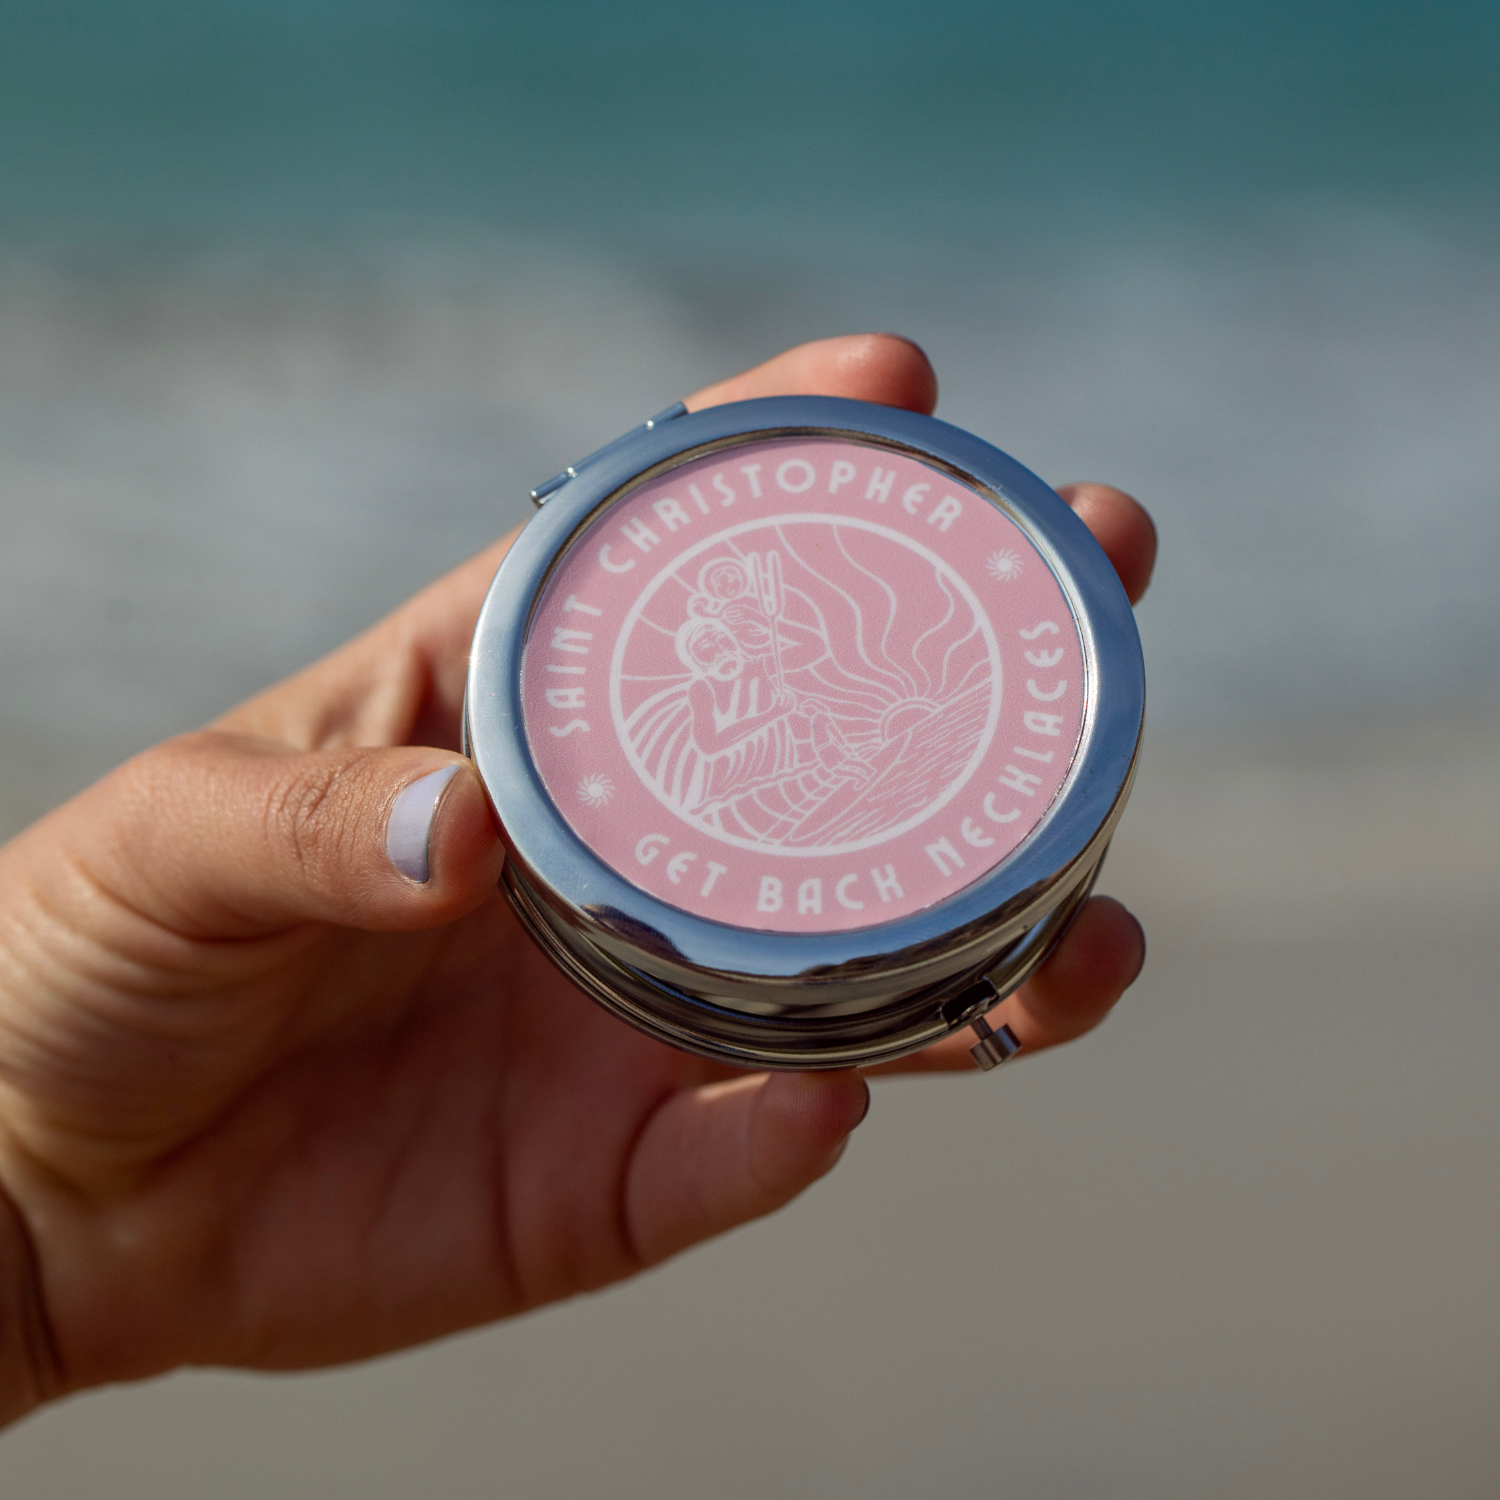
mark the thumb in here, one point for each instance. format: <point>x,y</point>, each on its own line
<point>712,1158</point>
<point>220,835</point>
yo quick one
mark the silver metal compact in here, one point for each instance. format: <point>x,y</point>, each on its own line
<point>806,723</point>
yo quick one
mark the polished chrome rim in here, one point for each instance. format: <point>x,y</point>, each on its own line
<point>798,999</point>
<point>783,1038</point>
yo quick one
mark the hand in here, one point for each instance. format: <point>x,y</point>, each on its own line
<point>267,1101</point>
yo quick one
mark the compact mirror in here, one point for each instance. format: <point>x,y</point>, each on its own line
<point>806,723</point>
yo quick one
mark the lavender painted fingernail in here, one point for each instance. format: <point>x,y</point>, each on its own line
<point>409,831</point>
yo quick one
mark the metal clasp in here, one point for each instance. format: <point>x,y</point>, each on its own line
<point>557,481</point>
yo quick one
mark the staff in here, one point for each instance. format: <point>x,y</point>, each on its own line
<point>772,601</point>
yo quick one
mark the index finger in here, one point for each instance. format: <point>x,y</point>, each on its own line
<point>879,367</point>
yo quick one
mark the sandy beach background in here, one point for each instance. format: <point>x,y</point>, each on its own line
<point>260,381</point>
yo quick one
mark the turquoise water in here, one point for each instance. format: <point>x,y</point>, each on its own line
<point>599,117</point>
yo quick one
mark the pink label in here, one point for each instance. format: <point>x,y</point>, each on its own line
<point>803,685</point>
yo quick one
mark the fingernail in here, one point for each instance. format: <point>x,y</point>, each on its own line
<point>409,832</point>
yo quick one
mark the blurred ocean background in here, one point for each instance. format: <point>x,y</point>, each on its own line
<point>298,301</point>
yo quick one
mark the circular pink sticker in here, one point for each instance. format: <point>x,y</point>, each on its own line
<point>802,685</point>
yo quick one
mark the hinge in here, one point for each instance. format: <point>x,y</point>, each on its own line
<point>543,490</point>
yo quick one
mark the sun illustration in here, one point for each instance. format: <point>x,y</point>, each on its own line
<point>1005,565</point>
<point>596,790</point>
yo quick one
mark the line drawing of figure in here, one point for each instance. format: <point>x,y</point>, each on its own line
<point>806,703</point>
<point>753,733</point>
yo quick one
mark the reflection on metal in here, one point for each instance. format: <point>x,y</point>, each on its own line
<point>549,486</point>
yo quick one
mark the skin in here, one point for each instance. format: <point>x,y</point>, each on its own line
<point>266,1102</point>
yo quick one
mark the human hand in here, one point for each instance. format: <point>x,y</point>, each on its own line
<point>266,1101</point>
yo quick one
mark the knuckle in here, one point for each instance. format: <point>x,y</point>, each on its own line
<point>173,756</point>
<point>310,817</point>
<point>157,776</point>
